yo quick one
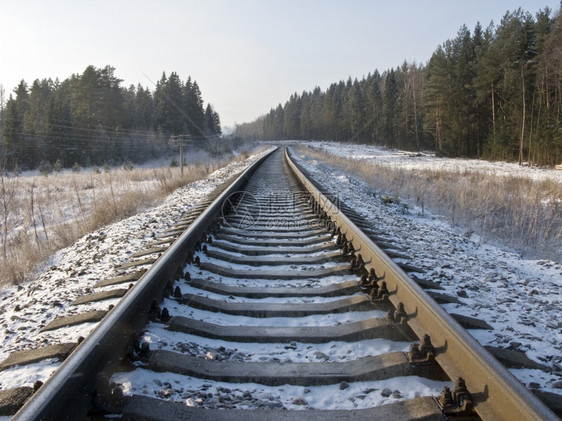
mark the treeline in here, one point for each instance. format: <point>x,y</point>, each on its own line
<point>493,93</point>
<point>90,119</point>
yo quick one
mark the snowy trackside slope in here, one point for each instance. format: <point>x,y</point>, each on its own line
<point>73,271</point>
<point>521,299</point>
<point>413,160</point>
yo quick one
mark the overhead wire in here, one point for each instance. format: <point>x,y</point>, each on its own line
<point>126,140</point>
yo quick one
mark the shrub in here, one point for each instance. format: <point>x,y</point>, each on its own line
<point>514,211</point>
<point>45,168</point>
<point>69,207</point>
<point>128,166</point>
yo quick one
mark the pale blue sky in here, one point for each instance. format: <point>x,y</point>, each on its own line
<point>247,56</point>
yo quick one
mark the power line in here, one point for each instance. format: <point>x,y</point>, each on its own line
<point>59,136</point>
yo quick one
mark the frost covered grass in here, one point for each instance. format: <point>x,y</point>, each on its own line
<point>40,214</point>
<point>76,270</point>
<point>520,298</point>
<point>514,210</point>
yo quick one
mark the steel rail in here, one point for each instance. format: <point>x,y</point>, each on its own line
<point>70,392</point>
<point>496,393</point>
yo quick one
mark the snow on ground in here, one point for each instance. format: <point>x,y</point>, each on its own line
<point>223,319</point>
<point>297,352</point>
<point>521,299</point>
<point>47,210</point>
<point>215,394</point>
<point>74,271</point>
<point>427,160</point>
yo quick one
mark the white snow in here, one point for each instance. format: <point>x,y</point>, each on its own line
<point>161,338</point>
<point>332,319</point>
<point>189,390</point>
<point>74,271</point>
<point>421,160</point>
<point>186,289</point>
<point>521,299</point>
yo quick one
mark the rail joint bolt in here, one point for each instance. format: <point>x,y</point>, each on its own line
<point>457,402</point>
<point>399,315</point>
<point>423,353</point>
<point>380,293</point>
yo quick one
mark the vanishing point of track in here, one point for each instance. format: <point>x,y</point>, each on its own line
<point>272,261</point>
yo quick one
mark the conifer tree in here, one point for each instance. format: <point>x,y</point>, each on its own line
<point>90,119</point>
<point>389,109</point>
<point>216,123</point>
<point>212,122</point>
<point>175,113</point>
<point>13,134</point>
<point>195,114</point>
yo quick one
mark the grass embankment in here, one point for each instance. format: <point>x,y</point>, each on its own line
<point>40,215</point>
<point>518,212</point>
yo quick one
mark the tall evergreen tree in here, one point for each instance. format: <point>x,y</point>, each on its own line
<point>86,101</point>
<point>2,105</point>
<point>175,109</point>
<point>90,119</point>
<point>21,145</point>
<point>306,119</point>
<point>212,122</point>
<point>291,117</point>
<point>34,120</point>
<point>545,143</point>
<point>59,131</point>
<point>494,93</point>
<point>13,134</point>
<point>374,106</point>
<point>143,114</point>
<point>195,113</point>
<point>160,100</point>
<point>354,112</point>
<point>333,110</point>
<point>389,109</point>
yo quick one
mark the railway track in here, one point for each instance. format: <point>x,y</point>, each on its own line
<point>272,304</point>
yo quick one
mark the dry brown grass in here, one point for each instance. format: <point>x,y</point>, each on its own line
<point>40,215</point>
<point>513,211</point>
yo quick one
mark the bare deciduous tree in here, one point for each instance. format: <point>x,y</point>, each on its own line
<point>8,189</point>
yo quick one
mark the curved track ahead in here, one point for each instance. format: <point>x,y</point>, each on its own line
<point>273,305</point>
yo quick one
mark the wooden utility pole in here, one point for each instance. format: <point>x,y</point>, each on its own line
<point>181,157</point>
<point>521,141</point>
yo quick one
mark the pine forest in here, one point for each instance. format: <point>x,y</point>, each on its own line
<point>493,93</point>
<point>90,119</point>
